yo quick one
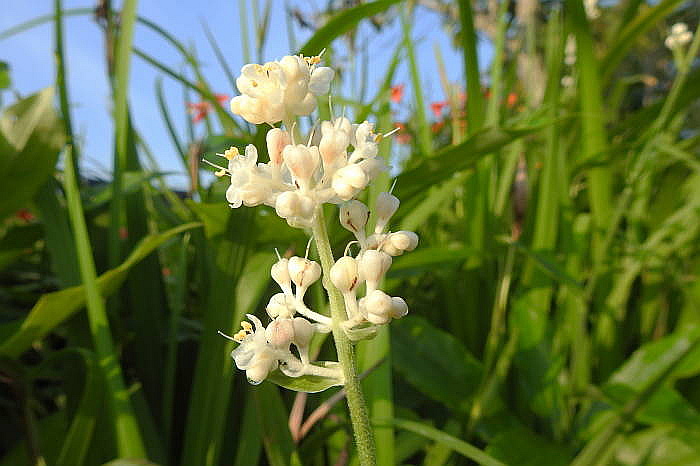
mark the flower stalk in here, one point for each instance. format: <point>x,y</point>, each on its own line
<point>364,438</point>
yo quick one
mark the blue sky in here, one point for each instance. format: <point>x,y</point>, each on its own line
<point>30,55</point>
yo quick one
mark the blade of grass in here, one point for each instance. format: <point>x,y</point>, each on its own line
<point>168,122</point>
<point>121,90</point>
<point>463,448</point>
<point>593,134</point>
<point>424,137</point>
<point>62,85</point>
<point>341,23</point>
<point>220,56</point>
<point>475,99</point>
<point>129,440</point>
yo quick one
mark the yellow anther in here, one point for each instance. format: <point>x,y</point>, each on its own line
<point>231,153</point>
<point>378,137</point>
<point>246,326</point>
<point>254,83</point>
<point>240,336</point>
<point>220,173</point>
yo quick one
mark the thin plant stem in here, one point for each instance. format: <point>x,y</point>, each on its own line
<point>364,437</point>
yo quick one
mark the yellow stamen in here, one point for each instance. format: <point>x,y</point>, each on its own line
<point>231,153</point>
<point>240,336</point>
<point>220,173</point>
<point>246,326</point>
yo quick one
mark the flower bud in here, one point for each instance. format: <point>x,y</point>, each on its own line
<point>280,274</point>
<point>399,308</point>
<point>288,204</point>
<point>280,333</point>
<point>303,273</point>
<point>372,266</point>
<point>303,332</point>
<point>280,305</point>
<point>302,162</point>
<point>276,139</point>
<point>344,274</point>
<point>378,306</point>
<point>396,243</point>
<point>353,216</point>
<point>385,207</point>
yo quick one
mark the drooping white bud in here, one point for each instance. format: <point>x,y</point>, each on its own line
<point>372,266</point>
<point>304,273</point>
<point>399,308</point>
<point>276,139</point>
<point>280,274</point>
<point>280,333</point>
<point>385,207</point>
<point>378,307</point>
<point>398,242</point>
<point>303,332</point>
<point>344,274</point>
<point>280,305</point>
<point>302,162</point>
<point>261,365</point>
<point>353,217</point>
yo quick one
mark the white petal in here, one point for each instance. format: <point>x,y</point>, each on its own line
<point>320,81</point>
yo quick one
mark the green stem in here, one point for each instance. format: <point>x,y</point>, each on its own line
<point>364,438</point>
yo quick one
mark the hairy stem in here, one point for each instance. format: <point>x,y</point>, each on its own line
<point>364,438</point>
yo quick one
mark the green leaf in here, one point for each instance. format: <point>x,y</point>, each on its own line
<point>460,446</point>
<point>341,23</point>
<point>308,383</point>
<point>518,446</point>
<point>31,136</point>
<point>54,308</point>
<point>426,259</point>
<point>272,415</point>
<point>434,362</point>
<point>79,436</point>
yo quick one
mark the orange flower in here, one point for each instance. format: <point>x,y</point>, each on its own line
<point>437,126</point>
<point>396,93</point>
<point>199,110</point>
<point>512,99</point>
<point>437,107</point>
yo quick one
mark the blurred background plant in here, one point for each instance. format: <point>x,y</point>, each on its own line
<point>554,299</point>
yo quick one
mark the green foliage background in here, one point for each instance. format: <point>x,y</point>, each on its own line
<point>555,305</point>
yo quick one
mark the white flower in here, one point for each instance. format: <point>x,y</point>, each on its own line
<point>254,355</point>
<point>280,89</point>
<point>679,36</point>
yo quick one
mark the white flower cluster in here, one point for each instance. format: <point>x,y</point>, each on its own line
<point>336,164</point>
<point>267,348</point>
<point>280,89</point>
<point>300,177</point>
<point>679,36</point>
<point>370,265</point>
